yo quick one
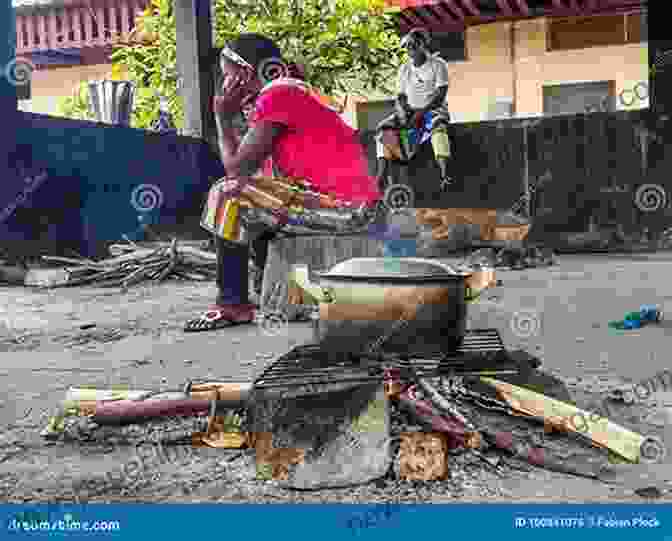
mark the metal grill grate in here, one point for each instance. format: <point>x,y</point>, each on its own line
<point>482,352</point>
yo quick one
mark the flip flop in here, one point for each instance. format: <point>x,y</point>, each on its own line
<point>212,320</point>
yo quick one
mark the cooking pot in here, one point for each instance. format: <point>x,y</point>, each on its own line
<point>389,305</point>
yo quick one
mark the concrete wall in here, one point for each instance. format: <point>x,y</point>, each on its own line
<point>49,86</point>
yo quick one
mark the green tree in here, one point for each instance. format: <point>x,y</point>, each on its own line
<point>346,47</point>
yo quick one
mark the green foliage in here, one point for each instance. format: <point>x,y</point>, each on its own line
<point>76,106</point>
<point>346,46</point>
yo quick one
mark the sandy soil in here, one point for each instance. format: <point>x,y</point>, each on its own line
<point>52,340</point>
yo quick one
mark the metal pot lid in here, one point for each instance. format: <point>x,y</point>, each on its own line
<point>392,268</point>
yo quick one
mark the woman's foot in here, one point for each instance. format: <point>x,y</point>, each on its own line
<point>219,317</point>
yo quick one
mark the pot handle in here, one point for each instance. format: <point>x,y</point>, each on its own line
<point>301,276</point>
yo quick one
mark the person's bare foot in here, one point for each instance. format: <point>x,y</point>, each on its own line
<point>221,316</point>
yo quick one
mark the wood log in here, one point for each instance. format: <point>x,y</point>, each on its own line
<point>319,252</point>
<point>566,417</point>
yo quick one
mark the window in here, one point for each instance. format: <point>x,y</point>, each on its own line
<point>451,46</point>
<point>581,98</point>
<point>583,32</point>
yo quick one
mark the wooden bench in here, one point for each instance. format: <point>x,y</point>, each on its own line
<point>320,252</point>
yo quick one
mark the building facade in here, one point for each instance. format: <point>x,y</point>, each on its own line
<point>68,42</point>
<point>538,60</point>
<point>508,58</point>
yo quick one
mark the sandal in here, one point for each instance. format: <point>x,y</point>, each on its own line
<point>217,318</point>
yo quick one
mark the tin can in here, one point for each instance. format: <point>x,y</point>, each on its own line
<point>230,228</point>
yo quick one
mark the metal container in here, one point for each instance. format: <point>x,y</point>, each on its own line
<point>112,102</point>
<point>389,305</point>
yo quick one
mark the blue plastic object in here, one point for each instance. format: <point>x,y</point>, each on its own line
<point>650,312</point>
<point>632,324</point>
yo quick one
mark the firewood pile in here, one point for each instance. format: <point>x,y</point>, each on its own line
<point>130,265</point>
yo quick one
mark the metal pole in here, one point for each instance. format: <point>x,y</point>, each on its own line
<point>526,172</point>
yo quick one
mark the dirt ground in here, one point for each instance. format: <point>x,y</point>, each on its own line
<point>52,340</point>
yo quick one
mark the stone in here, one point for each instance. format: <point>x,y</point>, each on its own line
<point>333,436</point>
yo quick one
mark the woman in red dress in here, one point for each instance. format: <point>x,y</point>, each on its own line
<point>305,139</point>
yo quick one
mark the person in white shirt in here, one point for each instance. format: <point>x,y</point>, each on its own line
<point>420,108</point>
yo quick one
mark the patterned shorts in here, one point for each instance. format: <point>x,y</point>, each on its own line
<point>282,205</point>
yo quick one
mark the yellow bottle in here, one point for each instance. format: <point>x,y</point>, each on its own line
<point>230,225</point>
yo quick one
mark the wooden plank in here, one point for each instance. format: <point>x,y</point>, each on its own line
<point>30,32</point>
<point>125,20</point>
<point>569,418</point>
<point>52,38</point>
<point>113,12</point>
<point>20,33</point>
<point>102,27</point>
<point>88,27</point>
<point>76,22</point>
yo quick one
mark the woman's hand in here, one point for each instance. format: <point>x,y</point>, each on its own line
<point>233,187</point>
<point>234,91</point>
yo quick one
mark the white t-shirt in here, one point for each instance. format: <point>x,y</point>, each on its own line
<point>419,84</point>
